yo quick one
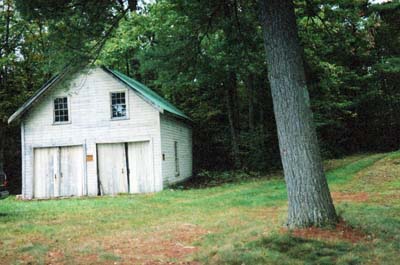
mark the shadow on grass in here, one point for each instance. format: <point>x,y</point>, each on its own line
<point>306,250</point>
<point>206,179</point>
<point>287,249</point>
<point>6,217</point>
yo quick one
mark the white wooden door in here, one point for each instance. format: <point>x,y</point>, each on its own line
<point>71,171</point>
<point>46,173</point>
<point>112,168</point>
<point>141,177</point>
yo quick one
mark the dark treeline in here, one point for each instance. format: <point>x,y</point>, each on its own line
<point>208,58</point>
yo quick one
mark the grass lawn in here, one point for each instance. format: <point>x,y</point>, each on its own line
<point>236,223</point>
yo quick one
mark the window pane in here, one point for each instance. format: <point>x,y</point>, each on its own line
<point>61,109</point>
<point>118,106</point>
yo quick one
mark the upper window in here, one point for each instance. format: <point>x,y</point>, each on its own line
<point>118,105</point>
<point>61,110</point>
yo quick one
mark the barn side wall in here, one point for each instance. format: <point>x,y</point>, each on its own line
<point>173,130</point>
<point>90,123</point>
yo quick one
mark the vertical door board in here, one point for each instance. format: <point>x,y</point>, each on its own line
<point>58,171</point>
<point>112,168</point>
<point>140,167</point>
<point>71,171</point>
<point>45,182</point>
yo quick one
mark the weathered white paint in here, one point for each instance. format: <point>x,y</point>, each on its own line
<point>58,172</point>
<point>91,124</point>
<point>71,171</point>
<point>174,130</point>
<point>22,156</point>
<point>113,173</point>
<point>46,173</point>
<point>140,167</point>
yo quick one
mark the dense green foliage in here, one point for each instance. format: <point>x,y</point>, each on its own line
<point>208,58</point>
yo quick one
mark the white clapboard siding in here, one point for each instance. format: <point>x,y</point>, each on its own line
<point>92,143</point>
<point>141,178</point>
<point>173,130</point>
<point>90,124</point>
<point>71,171</point>
<point>112,168</point>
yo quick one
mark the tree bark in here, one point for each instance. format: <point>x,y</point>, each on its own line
<point>6,43</point>
<point>2,136</point>
<point>231,109</point>
<point>310,202</point>
<point>251,92</point>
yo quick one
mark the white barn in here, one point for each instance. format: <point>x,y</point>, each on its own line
<point>101,133</point>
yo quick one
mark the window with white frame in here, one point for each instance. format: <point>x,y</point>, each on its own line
<point>61,114</point>
<point>118,105</point>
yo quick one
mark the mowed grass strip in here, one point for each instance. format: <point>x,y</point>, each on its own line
<point>234,223</point>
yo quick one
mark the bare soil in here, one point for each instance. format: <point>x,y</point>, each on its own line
<point>167,244</point>
<point>341,232</point>
<point>350,196</point>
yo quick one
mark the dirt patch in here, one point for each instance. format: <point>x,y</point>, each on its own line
<point>342,232</point>
<point>350,196</point>
<point>55,257</point>
<point>167,244</point>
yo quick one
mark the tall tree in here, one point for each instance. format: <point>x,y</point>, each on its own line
<point>22,60</point>
<point>310,202</point>
<point>77,29</point>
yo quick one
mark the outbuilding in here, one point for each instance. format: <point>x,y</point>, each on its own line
<point>101,132</point>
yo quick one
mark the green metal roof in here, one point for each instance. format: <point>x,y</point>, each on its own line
<point>148,94</point>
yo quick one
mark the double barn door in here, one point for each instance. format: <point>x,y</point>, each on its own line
<point>58,172</point>
<point>125,168</point>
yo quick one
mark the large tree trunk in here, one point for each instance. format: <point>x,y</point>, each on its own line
<point>310,202</point>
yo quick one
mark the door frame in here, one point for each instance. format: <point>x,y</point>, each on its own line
<point>85,175</point>
<point>123,159</point>
<point>127,141</point>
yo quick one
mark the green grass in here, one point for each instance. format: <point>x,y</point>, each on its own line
<point>235,223</point>
<point>285,249</point>
<point>345,173</point>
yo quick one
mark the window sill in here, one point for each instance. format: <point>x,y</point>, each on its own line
<point>119,119</point>
<point>61,123</point>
